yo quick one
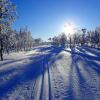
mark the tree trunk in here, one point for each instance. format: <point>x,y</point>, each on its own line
<point>1,49</point>
<point>1,46</point>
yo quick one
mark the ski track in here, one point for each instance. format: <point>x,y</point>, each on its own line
<point>71,77</point>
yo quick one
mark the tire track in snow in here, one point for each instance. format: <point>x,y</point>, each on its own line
<point>58,84</point>
<point>37,89</point>
<point>49,83</point>
<point>45,85</point>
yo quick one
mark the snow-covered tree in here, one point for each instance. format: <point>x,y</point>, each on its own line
<point>24,39</point>
<point>38,41</point>
<point>9,41</point>
<point>63,39</point>
<point>7,16</point>
<point>59,40</point>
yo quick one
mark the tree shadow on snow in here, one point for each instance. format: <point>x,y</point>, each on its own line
<point>78,88</point>
<point>94,51</point>
<point>37,68</point>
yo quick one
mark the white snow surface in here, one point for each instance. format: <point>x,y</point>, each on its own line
<point>51,73</point>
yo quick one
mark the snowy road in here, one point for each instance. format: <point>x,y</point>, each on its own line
<point>51,73</point>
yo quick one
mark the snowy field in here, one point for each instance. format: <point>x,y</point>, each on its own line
<point>51,73</point>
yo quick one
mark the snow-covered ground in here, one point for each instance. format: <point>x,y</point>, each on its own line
<point>51,73</point>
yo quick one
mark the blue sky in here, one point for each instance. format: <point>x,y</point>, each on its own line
<point>45,18</point>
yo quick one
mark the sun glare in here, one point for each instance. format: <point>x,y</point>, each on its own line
<point>69,28</point>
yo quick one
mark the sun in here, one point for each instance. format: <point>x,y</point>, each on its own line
<point>68,28</point>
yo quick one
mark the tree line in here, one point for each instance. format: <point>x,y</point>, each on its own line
<point>81,37</point>
<point>13,40</point>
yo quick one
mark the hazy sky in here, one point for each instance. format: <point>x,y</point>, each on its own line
<point>45,18</point>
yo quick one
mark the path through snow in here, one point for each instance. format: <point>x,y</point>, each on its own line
<point>51,73</point>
